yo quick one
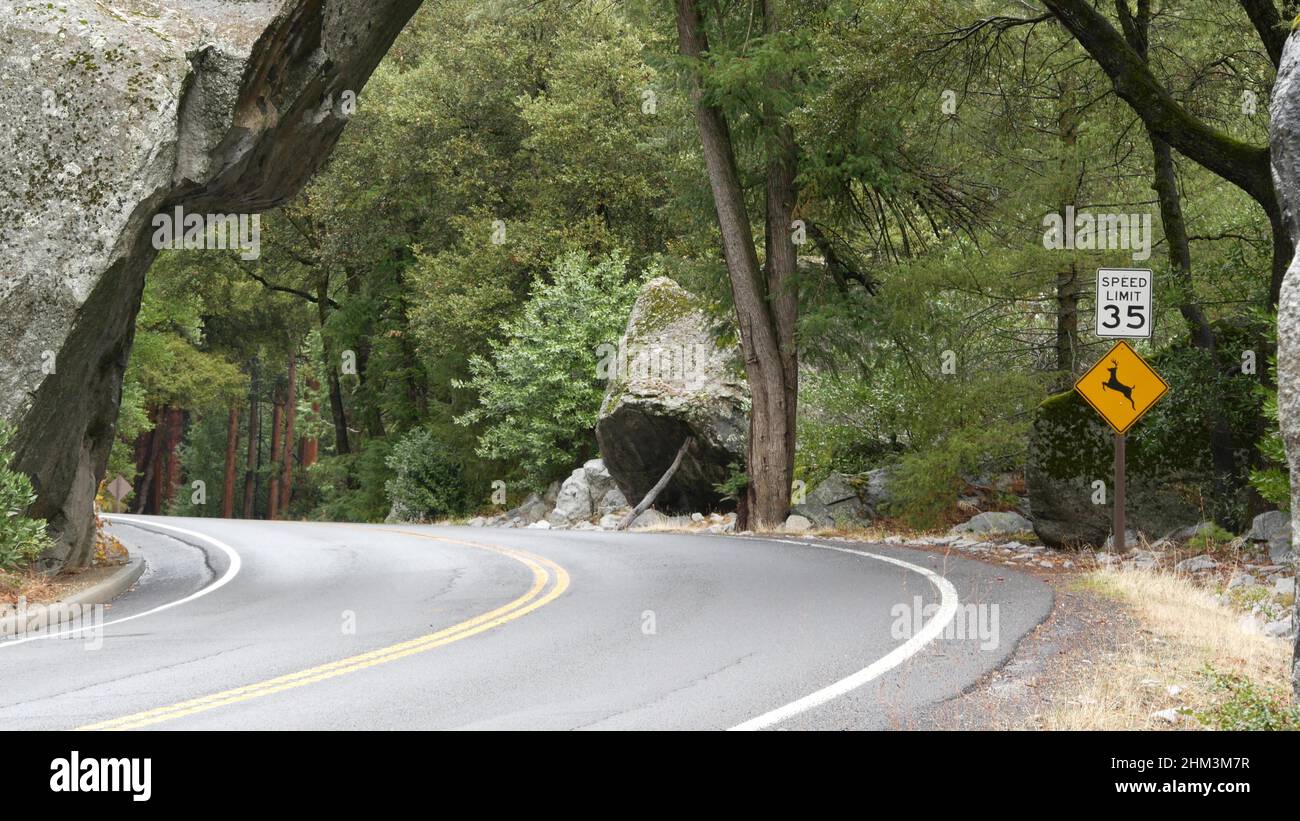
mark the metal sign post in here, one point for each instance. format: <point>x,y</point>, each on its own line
<point>1119,546</point>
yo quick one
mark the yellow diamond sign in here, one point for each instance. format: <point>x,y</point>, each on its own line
<point>1121,387</point>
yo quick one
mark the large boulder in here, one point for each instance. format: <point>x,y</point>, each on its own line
<point>114,113</point>
<point>669,378</point>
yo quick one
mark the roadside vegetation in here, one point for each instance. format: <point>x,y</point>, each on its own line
<point>1186,663</point>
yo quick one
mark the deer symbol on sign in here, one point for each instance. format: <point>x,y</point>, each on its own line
<point>1114,383</point>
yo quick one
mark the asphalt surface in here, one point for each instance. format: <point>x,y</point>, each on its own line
<point>334,626</point>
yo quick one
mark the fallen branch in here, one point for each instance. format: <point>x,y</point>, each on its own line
<point>650,497</point>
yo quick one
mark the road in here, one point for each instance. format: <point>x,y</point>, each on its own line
<point>283,625</point>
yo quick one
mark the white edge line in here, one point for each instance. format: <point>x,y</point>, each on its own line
<point>932,629</point>
<point>231,572</point>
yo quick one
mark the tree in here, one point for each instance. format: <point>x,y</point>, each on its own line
<point>765,297</point>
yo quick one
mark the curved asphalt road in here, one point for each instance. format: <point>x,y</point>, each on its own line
<point>414,627</point>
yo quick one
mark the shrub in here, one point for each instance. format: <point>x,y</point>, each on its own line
<point>351,487</point>
<point>426,483</point>
<point>21,538</point>
<point>1240,704</point>
<point>539,389</point>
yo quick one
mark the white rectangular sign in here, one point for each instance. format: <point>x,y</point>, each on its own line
<point>1124,303</point>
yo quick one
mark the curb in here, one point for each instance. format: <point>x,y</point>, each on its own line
<point>100,593</point>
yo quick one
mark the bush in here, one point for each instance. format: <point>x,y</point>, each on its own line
<point>351,487</point>
<point>1240,704</point>
<point>21,539</point>
<point>426,483</point>
<point>539,389</point>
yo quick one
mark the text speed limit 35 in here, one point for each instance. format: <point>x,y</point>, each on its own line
<point>1124,303</point>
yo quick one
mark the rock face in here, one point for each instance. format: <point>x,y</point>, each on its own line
<point>669,380</point>
<point>1070,448</point>
<point>112,115</point>
<point>1284,144</point>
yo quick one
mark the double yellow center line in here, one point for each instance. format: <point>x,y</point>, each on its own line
<point>550,580</point>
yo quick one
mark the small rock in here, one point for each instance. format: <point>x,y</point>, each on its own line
<point>650,518</point>
<point>1241,579</point>
<point>1196,564</point>
<point>477,521</point>
<point>1174,690</point>
<point>1172,716</point>
<point>697,517</point>
<point>1273,528</point>
<point>611,501</point>
<point>540,525</point>
<point>796,524</point>
<point>994,523</point>
<point>1281,629</point>
<point>1284,586</point>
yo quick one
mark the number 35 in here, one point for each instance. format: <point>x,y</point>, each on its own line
<point>1136,318</point>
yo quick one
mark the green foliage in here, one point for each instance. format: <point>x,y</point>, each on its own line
<point>22,539</point>
<point>734,486</point>
<point>1273,479</point>
<point>539,390</point>
<point>1212,539</point>
<point>927,482</point>
<point>353,487</point>
<point>427,484</point>
<point>1243,705</point>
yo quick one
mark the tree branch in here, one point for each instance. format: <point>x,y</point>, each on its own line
<point>1242,164</point>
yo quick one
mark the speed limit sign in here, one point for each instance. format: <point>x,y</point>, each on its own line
<point>1124,303</point>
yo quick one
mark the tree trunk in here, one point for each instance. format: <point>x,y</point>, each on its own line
<point>144,492</point>
<point>254,437</point>
<point>290,412</point>
<point>228,483</point>
<point>171,474</point>
<point>1067,280</point>
<point>310,445</point>
<point>337,411</point>
<point>273,492</point>
<point>763,324</point>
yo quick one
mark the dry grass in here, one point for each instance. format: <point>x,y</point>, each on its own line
<point>26,584</point>
<point>1182,632</point>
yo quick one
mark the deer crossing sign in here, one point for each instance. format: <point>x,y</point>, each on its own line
<point>1121,387</point>
<point>1124,303</point>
